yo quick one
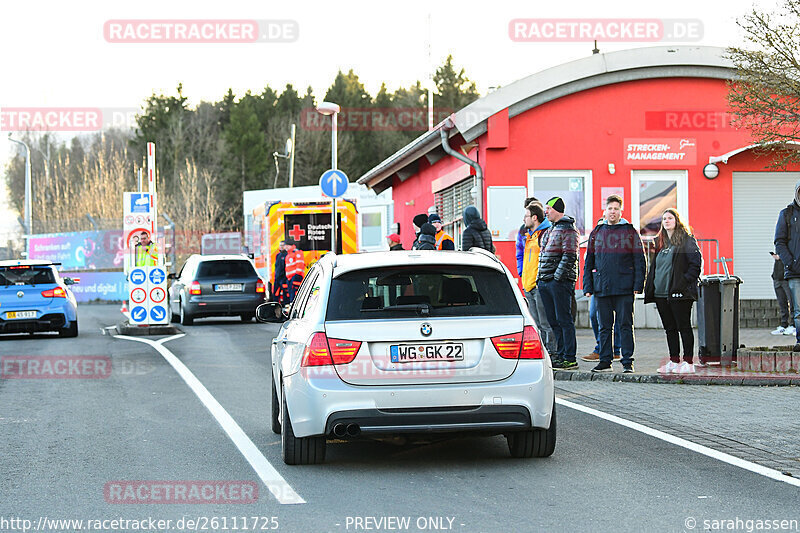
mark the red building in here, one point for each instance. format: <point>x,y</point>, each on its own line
<point>640,123</point>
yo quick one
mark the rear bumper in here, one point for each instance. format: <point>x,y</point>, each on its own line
<point>317,401</point>
<point>479,418</point>
<point>199,307</point>
<point>47,322</point>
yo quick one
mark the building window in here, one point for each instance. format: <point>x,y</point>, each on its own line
<point>371,229</point>
<point>652,192</point>
<point>573,186</point>
<point>450,204</point>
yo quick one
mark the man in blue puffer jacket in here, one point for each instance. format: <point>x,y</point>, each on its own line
<point>613,273</point>
<point>787,244</point>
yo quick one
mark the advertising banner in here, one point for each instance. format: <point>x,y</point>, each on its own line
<point>109,286</point>
<point>81,250</point>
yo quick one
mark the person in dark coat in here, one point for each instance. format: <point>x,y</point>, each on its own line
<point>784,297</point>
<point>394,242</point>
<point>427,238</point>
<point>279,280</point>
<point>672,285</point>
<point>613,273</point>
<point>476,234</point>
<point>558,271</point>
<point>787,245</point>
<point>418,221</point>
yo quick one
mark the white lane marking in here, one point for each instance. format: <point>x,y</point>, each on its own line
<point>278,486</point>
<point>714,454</point>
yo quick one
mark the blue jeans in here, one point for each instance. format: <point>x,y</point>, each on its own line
<point>596,327</point>
<point>557,300</point>
<point>612,312</point>
<point>794,288</point>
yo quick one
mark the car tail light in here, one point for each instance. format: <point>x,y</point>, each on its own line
<point>58,292</point>
<point>531,344</point>
<point>195,288</point>
<point>508,345</point>
<point>316,352</point>
<point>260,287</point>
<point>343,351</point>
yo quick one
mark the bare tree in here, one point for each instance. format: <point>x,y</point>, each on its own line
<point>765,98</point>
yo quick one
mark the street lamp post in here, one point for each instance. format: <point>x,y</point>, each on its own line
<point>28,228</point>
<point>329,108</point>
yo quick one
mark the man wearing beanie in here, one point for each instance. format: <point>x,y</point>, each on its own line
<point>558,271</point>
<point>443,239</point>
<point>427,238</point>
<point>418,221</point>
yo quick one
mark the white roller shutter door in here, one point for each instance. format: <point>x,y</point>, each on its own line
<point>758,198</point>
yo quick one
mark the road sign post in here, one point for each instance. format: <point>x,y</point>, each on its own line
<point>333,184</point>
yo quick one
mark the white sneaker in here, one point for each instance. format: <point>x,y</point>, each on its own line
<point>685,368</point>
<point>790,331</point>
<point>780,330</point>
<point>669,368</point>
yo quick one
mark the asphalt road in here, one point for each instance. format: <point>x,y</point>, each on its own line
<point>63,441</point>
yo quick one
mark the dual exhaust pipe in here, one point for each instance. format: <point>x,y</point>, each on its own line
<point>341,430</point>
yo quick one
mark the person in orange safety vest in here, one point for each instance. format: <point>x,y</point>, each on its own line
<point>295,267</point>
<point>443,240</point>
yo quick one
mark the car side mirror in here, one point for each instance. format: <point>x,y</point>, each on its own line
<point>72,281</point>
<point>270,312</point>
<point>172,275</point>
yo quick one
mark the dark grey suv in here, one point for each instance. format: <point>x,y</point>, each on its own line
<point>215,285</point>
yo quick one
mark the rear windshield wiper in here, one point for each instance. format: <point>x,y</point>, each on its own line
<point>422,309</point>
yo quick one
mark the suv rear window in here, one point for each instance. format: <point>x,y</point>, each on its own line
<point>26,275</point>
<point>436,291</point>
<point>226,268</point>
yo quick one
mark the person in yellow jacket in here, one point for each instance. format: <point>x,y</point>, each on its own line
<point>443,239</point>
<point>146,251</point>
<point>536,223</point>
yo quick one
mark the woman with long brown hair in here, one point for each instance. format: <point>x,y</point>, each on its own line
<point>672,285</point>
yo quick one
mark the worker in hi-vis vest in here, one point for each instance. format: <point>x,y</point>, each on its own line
<point>146,251</point>
<point>295,267</point>
<point>443,239</point>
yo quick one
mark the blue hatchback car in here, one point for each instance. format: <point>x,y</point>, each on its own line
<point>34,298</point>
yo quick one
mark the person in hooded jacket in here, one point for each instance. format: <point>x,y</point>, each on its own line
<point>427,238</point>
<point>613,273</point>
<point>787,245</point>
<point>476,234</point>
<point>522,235</point>
<point>672,285</point>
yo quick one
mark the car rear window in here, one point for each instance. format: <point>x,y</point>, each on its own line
<point>401,292</point>
<point>225,269</point>
<point>26,275</point>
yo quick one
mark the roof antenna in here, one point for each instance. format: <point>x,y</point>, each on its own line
<point>595,50</point>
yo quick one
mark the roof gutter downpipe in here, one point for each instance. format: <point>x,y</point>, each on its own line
<point>443,131</point>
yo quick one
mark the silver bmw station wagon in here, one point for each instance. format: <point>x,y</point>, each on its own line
<point>411,344</point>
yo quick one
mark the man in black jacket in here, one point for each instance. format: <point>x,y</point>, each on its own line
<point>787,244</point>
<point>558,271</point>
<point>614,272</point>
<point>279,281</point>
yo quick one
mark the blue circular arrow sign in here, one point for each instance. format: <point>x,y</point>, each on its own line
<point>333,183</point>
<point>138,314</point>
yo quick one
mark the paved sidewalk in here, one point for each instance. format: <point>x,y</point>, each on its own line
<point>651,352</point>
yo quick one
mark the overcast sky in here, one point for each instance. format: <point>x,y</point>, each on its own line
<point>55,54</point>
